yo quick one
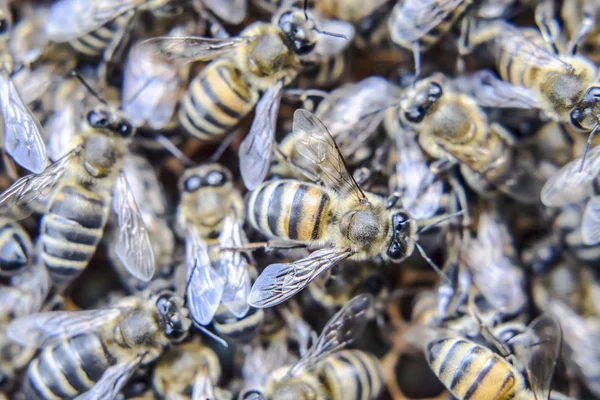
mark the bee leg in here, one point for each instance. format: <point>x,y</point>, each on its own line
<point>502,348</point>
<point>441,166</point>
<point>547,24</point>
<point>463,45</point>
<point>417,57</point>
<point>308,174</point>
<point>586,26</point>
<point>305,96</point>
<point>463,203</point>
<point>267,246</point>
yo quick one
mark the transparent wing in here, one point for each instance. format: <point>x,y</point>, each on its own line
<point>411,20</point>
<point>491,91</point>
<point>233,267</point>
<point>255,149</point>
<point>317,145</point>
<point>205,285</point>
<point>354,111</point>
<point>341,330</point>
<point>279,282</point>
<point>568,185</point>
<point>62,129</point>
<point>22,131</point>
<point>34,286</point>
<point>538,349</point>
<point>590,225</point>
<point>70,19</point>
<point>113,380</point>
<point>231,11</point>
<point>149,87</point>
<point>43,328</point>
<point>328,45</point>
<point>15,199</point>
<point>133,246</point>
<point>197,48</point>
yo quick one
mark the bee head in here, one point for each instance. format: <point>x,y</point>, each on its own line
<point>404,230</point>
<point>210,175</point>
<point>176,322</point>
<point>101,117</point>
<point>425,95</point>
<point>585,115</point>
<point>299,31</point>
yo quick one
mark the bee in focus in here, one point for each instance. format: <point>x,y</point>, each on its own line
<point>96,351</point>
<point>264,58</point>
<point>453,129</point>
<point>325,370</point>
<point>339,217</point>
<point>190,370</point>
<point>79,190</point>
<point>472,371</point>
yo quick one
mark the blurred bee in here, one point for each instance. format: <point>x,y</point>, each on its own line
<point>188,371</point>
<point>79,189</point>
<point>453,129</point>
<point>209,217</point>
<point>144,184</point>
<point>325,370</point>
<point>570,186</point>
<point>96,351</point>
<point>16,251</point>
<point>233,12</point>
<point>22,131</point>
<point>417,25</point>
<point>265,57</point>
<point>472,371</point>
<point>99,28</point>
<point>340,214</point>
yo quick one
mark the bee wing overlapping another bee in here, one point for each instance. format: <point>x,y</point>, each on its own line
<point>231,11</point>
<point>113,380</point>
<point>14,200</point>
<point>255,149</point>
<point>41,329</point>
<point>69,19</point>
<point>234,268</point>
<point>569,185</point>
<point>342,329</point>
<point>26,293</point>
<point>279,282</point>
<point>490,91</point>
<point>538,350</point>
<point>197,48</point>
<point>328,45</point>
<point>411,20</point>
<point>133,246</point>
<point>317,145</point>
<point>205,285</point>
<point>22,131</point>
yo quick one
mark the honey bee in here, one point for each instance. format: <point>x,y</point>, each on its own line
<point>188,371</point>
<point>472,371</point>
<point>418,25</point>
<point>265,57</point>
<point>95,352</point>
<point>16,251</point>
<point>570,186</point>
<point>453,129</point>
<point>357,225</point>
<point>79,189</point>
<point>209,217</point>
<point>22,130</point>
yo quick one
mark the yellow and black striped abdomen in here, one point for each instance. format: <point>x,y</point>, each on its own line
<point>68,368</point>
<point>216,100</point>
<point>94,43</point>
<point>71,230</point>
<point>473,372</point>
<point>289,210</point>
<point>351,375</point>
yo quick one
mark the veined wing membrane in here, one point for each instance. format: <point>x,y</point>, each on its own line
<point>197,48</point>
<point>279,282</point>
<point>113,380</point>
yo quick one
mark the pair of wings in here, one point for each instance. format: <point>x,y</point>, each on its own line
<point>22,131</point>
<point>228,283</point>
<point>570,185</point>
<point>278,282</point>
<point>133,245</point>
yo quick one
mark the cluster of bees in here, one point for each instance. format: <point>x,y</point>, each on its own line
<point>318,199</point>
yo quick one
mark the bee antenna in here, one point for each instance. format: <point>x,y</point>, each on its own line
<point>432,264</point>
<point>337,35</point>
<point>140,91</point>
<point>174,150</point>
<point>588,144</point>
<point>438,221</point>
<point>305,9</point>
<point>76,74</point>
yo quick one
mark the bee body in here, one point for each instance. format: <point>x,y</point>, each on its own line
<point>94,43</point>
<point>15,247</point>
<point>351,374</point>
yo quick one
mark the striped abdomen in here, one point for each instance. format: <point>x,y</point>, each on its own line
<point>71,230</point>
<point>94,43</point>
<point>290,210</point>
<point>216,101</point>
<point>351,375</point>
<point>68,368</point>
<point>473,372</point>
<point>327,72</point>
<point>15,247</point>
